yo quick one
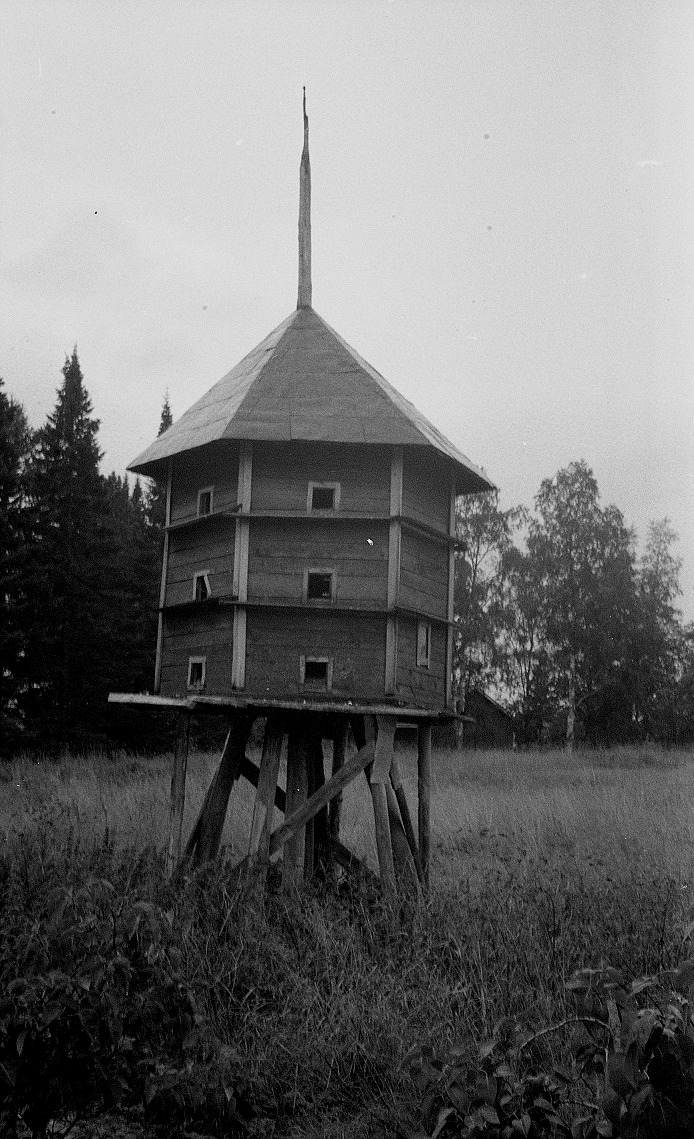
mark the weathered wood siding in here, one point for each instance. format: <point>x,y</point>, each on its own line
<point>200,469</point>
<point>206,546</point>
<point>425,687</point>
<point>280,551</point>
<point>276,640</point>
<point>426,487</point>
<point>206,634</point>
<point>209,544</point>
<point>282,472</point>
<point>423,574</point>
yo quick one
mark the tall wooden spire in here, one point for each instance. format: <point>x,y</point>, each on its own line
<point>304,295</point>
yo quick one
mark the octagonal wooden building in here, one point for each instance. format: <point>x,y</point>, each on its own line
<point>310,525</point>
<point>307,576</point>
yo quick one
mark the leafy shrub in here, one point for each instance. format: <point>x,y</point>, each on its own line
<point>117,1024</point>
<point>636,1062</point>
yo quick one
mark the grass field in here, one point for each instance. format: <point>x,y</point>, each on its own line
<point>542,864</point>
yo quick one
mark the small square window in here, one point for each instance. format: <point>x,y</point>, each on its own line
<point>423,644</point>
<point>316,672</point>
<point>319,585</point>
<point>197,667</point>
<point>205,497</point>
<point>323,495</point>
<point>201,586</point>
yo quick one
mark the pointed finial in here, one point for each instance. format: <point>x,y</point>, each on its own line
<point>304,295</point>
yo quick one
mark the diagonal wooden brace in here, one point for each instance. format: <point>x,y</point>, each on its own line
<point>321,797</point>
<point>396,780</point>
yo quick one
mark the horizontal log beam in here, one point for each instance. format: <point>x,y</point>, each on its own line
<point>260,706</point>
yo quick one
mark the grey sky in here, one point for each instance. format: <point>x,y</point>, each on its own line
<point>501,217</point>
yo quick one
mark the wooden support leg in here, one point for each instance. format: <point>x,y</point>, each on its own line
<point>334,785</point>
<point>380,774</point>
<point>297,793</point>
<point>178,793</point>
<point>358,731</point>
<point>424,796</point>
<point>211,821</point>
<point>396,780</point>
<point>321,833</point>
<point>310,847</point>
<point>339,752</point>
<point>261,823</point>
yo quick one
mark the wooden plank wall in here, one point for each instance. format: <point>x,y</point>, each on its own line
<point>209,546</point>
<point>282,472</point>
<point>280,552</point>
<point>394,539</point>
<point>194,471</point>
<point>208,634</point>
<point>240,573</point>
<point>423,574</point>
<point>275,640</point>
<point>425,489</point>
<point>418,685</point>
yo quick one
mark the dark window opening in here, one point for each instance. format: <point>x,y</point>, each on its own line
<point>323,498</point>
<point>317,671</point>
<point>201,586</point>
<point>205,502</point>
<point>196,672</point>
<point>319,586</point>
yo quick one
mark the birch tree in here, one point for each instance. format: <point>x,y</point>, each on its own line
<point>583,555</point>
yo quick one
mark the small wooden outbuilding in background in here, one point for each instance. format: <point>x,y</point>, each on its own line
<point>486,724</point>
<point>308,579</point>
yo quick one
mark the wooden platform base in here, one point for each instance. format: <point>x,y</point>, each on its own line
<point>309,836</point>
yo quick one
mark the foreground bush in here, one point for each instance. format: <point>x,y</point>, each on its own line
<point>635,1061</point>
<point>207,1012</point>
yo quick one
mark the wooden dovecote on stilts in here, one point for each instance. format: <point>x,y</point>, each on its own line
<point>308,579</point>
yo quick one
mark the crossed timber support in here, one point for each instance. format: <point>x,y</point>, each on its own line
<point>309,835</point>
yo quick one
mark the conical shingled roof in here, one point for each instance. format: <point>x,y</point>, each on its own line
<point>304,382</point>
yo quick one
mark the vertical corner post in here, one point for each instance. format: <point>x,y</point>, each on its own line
<point>380,774</point>
<point>310,828</point>
<point>240,574</point>
<point>394,542</point>
<point>164,575</point>
<point>321,830</point>
<point>178,792</point>
<point>450,610</point>
<point>339,752</point>
<point>424,796</point>
<point>263,809</point>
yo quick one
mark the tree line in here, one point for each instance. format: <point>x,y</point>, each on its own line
<point>80,557</point>
<point>560,616</point>
<point>556,613</point>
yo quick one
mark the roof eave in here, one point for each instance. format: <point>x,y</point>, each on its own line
<point>470,480</point>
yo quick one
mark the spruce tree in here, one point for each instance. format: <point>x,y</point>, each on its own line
<point>15,439</point>
<point>73,552</point>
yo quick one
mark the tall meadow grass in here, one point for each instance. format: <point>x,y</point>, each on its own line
<point>543,863</point>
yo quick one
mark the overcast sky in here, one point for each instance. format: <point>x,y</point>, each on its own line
<point>502,220</point>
